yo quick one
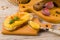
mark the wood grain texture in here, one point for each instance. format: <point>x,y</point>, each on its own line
<point>12,9</point>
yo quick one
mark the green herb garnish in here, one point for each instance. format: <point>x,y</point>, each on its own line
<point>11,21</point>
<point>16,18</point>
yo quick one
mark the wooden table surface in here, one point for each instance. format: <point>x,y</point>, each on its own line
<point>12,9</point>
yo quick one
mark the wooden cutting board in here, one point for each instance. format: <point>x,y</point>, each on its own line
<point>12,9</point>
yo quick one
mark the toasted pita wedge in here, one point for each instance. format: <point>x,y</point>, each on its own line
<point>14,21</point>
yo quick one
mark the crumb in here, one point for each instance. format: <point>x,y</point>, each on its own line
<point>4,7</point>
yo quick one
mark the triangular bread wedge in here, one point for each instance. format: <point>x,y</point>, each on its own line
<point>25,30</point>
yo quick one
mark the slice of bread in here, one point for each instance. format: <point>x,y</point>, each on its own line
<point>25,30</point>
